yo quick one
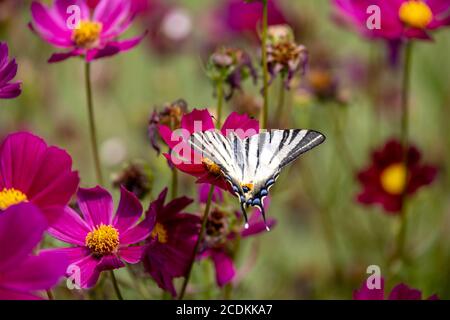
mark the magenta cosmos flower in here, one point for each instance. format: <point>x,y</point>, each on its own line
<point>22,273</point>
<point>94,36</point>
<point>236,17</point>
<point>103,241</point>
<point>31,171</point>
<point>399,19</point>
<point>184,158</point>
<point>172,242</point>
<point>219,243</point>
<point>399,292</point>
<point>8,70</point>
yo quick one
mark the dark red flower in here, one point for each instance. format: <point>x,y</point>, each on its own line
<point>185,159</point>
<point>386,178</point>
<point>399,292</point>
<point>171,244</point>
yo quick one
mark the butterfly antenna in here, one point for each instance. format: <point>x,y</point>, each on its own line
<point>245,216</point>
<point>263,212</point>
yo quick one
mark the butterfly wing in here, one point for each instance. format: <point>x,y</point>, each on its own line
<point>226,152</point>
<point>256,160</point>
<point>268,152</point>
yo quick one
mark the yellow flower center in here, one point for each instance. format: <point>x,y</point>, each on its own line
<point>10,197</point>
<point>104,239</point>
<point>160,232</point>
<point>87,34</point>
<point>393,178</point>
<point>415,13</point>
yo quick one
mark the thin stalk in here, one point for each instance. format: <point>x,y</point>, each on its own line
<point>50,295</point>
<point>116,285</point>
<point>265,111</point>
<point>220,96</point>
<point>281,101</point>
<point>174,191</point>
<point>198,243</point>
<point>404,136</point>
<point>92,128</point>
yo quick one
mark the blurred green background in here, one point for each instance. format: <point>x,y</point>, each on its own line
<point>324,240</point>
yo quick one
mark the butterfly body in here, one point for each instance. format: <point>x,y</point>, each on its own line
<point>252,165</point>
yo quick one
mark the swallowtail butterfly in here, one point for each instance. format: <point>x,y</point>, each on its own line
<point>252,165</point>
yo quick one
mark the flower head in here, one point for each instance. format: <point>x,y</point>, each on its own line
<point>172,241</point>
<point>403,19</point>
<point>92,35</point>
<point>135,179</point>
<point>22,227</point>
<point>103,241</point>
<point>285,57</point>
<point>399,292</point>
<point>387,178</point>
<point>170,116</point>
<point>232,66</point>
<point>184,158</point>
<point>8,70</point>
<point>31,171</point>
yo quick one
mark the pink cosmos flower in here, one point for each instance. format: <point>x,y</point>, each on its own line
<point>235,17</point>
<point>203,193</point>
<point>22,273</point>
<point>31,171</point>
<point>8,70</point>
<point>399,292</point>
<point>103,241</point>
<point>172,242</point>
<point>400,19</point>
<point>201,120</point>
<point>93,37</point>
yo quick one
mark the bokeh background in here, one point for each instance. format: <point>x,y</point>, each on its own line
<point>324,239</point>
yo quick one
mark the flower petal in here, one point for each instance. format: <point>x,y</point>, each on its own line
<point>128,212</point>
<point>70,228</point>
<point>241,125</point>
<point>132,255</point>
<point>21,229</point>
<point>40,272</point>
<point>224,265</point>
<point>96,204</point>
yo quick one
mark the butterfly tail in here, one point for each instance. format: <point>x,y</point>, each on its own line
<point>245,215</point>
<point>263,212</point>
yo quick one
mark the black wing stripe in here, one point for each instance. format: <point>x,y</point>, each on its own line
<point>309,141</point>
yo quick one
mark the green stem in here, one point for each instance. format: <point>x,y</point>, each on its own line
<point>116,285</point>
<point>220,96</point>
<point>265,111</point>
<point>174,183</point>
<point>281,99</point>
<point>92,129</point>
<point>50,295</point>
<point>198,243</point>
<point>404,136</point>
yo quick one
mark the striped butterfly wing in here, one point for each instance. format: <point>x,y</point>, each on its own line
<point>255,161</point>
<point>225,152</point>
<point>268,152</point>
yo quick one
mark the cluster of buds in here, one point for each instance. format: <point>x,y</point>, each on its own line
<point>231,66</point>
<point>135,178</point>
<point>170,115</point>
<point>284,56</point>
